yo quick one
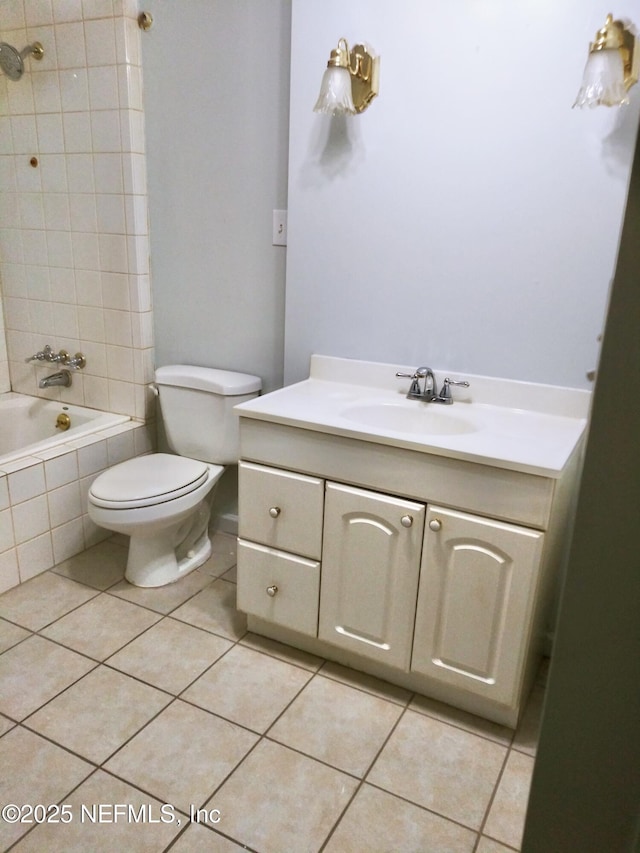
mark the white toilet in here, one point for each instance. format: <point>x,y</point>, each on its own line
<point>163,501</point>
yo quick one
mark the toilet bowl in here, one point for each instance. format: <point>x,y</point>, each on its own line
<point>162,501</point>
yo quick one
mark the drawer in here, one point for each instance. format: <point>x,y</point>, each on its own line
<point>280,509</point>
<point>279,587</point>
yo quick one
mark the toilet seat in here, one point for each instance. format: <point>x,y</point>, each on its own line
<point>147,481</point>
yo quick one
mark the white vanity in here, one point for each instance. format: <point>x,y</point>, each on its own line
<point>417,542</point>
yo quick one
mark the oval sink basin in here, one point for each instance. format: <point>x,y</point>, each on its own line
<point>418,418</point>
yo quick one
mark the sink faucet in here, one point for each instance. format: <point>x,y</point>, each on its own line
<point>63,377</point>
<point>429,391</point>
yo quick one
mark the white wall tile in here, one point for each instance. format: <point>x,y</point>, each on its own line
<point>82,207</point>
<point>30,518</point>
<point>74,90</point>
<point>80,173</point>
<point>7,539</point>
<point>100,37</point>
<point>88,288</point>
<point>38,12</point>
<point>63,284</point>
<point>71,45</point>
<point>61,470</point>
<point>103,87</point>
<point>67,540</point>
<point>46,92</point>
<point>35,557</point>
<point>77,132</point>
<point>9,575</point>
<point>92,458</point>
<point>65,504</point>
<point>56,211</point>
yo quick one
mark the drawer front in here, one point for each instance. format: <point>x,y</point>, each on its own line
<point>281,509</point>
<point>280,587</point>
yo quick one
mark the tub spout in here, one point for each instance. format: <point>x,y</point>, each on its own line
<point>63,377</point>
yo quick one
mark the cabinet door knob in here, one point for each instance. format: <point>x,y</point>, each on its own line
<point>271,590</point>
<point>406,520</point>
<point>435,524</point>
<point>275,511</point>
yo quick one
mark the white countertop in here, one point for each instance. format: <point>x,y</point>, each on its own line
<point>520,426</point>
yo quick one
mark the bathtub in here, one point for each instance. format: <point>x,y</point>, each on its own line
<point>28,424</point>
<point>45,473</point>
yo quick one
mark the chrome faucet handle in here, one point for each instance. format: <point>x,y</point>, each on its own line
<point>445,394</point>
<point>45,354</point>
<point>415,393</point>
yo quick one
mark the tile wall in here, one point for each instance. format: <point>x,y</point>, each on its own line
<point>74,260</point>
<point>43,500</point>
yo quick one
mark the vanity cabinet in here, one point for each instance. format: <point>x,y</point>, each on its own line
<point>435,574</point>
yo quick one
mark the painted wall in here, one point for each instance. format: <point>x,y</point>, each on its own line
<point>216,84</point>
<point>469,219</point>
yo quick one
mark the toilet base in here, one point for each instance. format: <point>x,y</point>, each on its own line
<point>171,553</point>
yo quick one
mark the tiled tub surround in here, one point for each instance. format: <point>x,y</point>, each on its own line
<point>73,228</point>
<point>43,499</point>
<point>152,696</point>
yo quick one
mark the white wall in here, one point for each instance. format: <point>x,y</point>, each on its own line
<point>469,219</point>
<point>216,85</point>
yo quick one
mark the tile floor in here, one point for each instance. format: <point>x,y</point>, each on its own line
<point>133,707</point>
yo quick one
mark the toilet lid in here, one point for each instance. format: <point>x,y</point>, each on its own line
<point>148,480</point>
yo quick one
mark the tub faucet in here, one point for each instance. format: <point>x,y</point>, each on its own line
<point>63,377</point>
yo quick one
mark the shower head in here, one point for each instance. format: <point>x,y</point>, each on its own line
<point>12,61</point>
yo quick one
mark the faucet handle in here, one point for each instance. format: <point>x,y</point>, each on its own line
<point>445,394</point>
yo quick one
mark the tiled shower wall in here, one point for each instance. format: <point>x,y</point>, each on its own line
<point>74,260</point>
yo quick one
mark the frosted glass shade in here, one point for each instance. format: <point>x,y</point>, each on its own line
<point>603,81</point>
<point>335,96</point>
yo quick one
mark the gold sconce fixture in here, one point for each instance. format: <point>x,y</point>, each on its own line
<point>350,82</point>
<point>612,66</point>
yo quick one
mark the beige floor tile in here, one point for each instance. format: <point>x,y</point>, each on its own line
<point>123,830</point>
<point>281,651</point>
<point>98,714</point>
<point>10,635</point>
<point>198,839</point>
<point>435,765</point>
<point>101,626</point>
<point>462,719</point>
<point>248,688</point>
<point>279,800</point>
<point>34,771</point>
<point>338,724</point>
<point>99,566</point>
<point>526,738</point>
<point>35,671</point>
<point>382,689</point>
<point>183,755</point>
<point>488,845</point>
<point>377,821</point>
<point>231,575</point>
<point>5,724</point>
<point>214,609</point>
<point>170,655</point>
<point>508,810</point>
<point>42,600</point>
<point>162,599</point>
<point>223,555</point>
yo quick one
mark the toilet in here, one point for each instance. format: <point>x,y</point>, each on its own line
<point>163,501</point>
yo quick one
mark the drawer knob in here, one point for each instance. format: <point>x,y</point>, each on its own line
<point>271,590</point>
<point>406,520</point>
<point>435,524</point>
<point>275,511</point>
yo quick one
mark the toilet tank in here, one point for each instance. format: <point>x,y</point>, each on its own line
<point>197,410</point>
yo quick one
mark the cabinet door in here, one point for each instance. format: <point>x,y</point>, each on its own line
<point>280,509</point>
<point>370,568</point>
<point>475,602</point>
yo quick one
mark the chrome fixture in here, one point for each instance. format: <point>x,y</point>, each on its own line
<point>613,66</point>
<point>350,82</point>
<point>12,60</point>
<point>429,392</point>
<point>63,378</point>
<point>76,362</point>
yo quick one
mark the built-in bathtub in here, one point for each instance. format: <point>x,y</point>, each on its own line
<point>45,474</point>
<point>30,424</point>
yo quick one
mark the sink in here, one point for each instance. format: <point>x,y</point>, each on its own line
<point>414,417</point>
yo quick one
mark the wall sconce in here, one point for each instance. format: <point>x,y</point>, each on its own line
<point>351,81</point>
<point>612,67</point>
